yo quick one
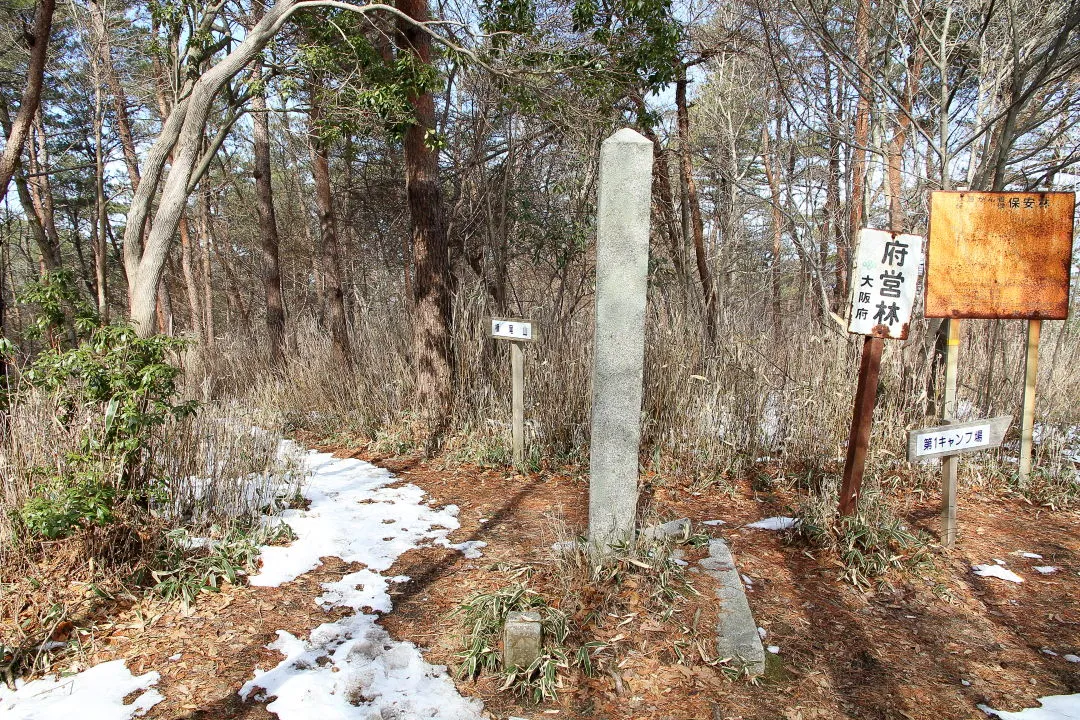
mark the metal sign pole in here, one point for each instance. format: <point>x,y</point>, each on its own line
<point>517,370</point>
<point>949,462</point>
<point>861,418</point>
<point>1031,372</point>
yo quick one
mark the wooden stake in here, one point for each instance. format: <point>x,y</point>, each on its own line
<point>517,370</point>
<point>949,462</point>
<point>861,418</point>
<point>1031,372</point>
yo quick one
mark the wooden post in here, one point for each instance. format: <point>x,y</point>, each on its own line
<point>1031,372</point>
<point>517,370</point>
<point>861,419</point>
<point>949,462</point>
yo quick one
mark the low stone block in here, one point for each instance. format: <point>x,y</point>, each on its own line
<point>737,634</point>
<point>678,530</point>
<point>523,639</point>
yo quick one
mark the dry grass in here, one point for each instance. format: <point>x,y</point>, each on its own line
<point>710,411</point>
<point>211,474</point>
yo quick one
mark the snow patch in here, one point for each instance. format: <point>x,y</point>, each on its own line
<point>470,548</point>
<point>94,694</point>
<point>1031,555</point>
<point>996,571</point>
<point>775,523</point>
<point>352,668</point>
<point>1045,569</point>
<point>353,515</point>
<point>1054,707</point>
<point>714,523</point>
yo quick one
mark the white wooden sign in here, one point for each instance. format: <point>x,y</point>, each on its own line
<point>884,281</point>
<point>511,329</point>
<point>957,438</point>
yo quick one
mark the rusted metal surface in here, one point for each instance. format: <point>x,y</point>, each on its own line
<point>859,437</point>
<point>999,255</point>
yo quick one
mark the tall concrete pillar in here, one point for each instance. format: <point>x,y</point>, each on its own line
<point>622,259</point>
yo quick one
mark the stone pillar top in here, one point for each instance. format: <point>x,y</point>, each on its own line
<point>628,135</point>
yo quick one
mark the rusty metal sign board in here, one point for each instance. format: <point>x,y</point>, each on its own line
<point>957,438</point>
<point>999,255</point>
<point>884,282</point>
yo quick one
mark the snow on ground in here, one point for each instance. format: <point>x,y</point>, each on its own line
<point>355,516</point>
<point>713,523</point>
<point>1045,569</point>
<point>996,571</point>
<point>1054,707</point>
<point>352,668</point>
<point>94,694</point>
<point>774,523</point>
<point>470,548</point>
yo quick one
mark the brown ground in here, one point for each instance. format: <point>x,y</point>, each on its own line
<point>892,653</point>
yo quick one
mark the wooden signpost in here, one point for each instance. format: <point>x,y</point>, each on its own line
<point>996,255</point>
<point>517,331</point>
<point>884,282</point>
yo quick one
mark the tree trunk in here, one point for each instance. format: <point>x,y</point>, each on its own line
<point>432,285</point>
<point>328,231</point>
<point>101,218</point>
<point>112,81</point>
<point>183,132</point>
<point>207,240</point>
<point>191,284</point>
<point>31,97</point>
<point>269,242</point>
<point>833,226</point>
<point>692,205</point>
<point>778,227</point>
<point>862,121</point>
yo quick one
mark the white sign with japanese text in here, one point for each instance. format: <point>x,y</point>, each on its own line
<point>884,282</point>
<point>957,438</point>
<point>967,438</point>
<point>510,329</point>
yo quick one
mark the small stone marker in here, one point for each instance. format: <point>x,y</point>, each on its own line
<point>677,530</point>
<point>622,259</point>
<point>737,633</point>
<point>523,639</point>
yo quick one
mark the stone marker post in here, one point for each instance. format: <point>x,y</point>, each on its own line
<point>622,258</point>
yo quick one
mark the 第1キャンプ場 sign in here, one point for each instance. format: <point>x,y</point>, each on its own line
<point>957,438</point>
<point>884,280</point>
<point>511,329</point>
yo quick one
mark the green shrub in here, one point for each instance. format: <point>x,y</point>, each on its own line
<point>118,388</point>
<point>190,566</point>
<point>61,505</point>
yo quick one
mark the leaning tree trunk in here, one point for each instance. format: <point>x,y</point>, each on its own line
<point>432,283</point>
<point>38,38</point>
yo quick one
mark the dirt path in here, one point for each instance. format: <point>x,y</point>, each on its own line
<point>932,646</point>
